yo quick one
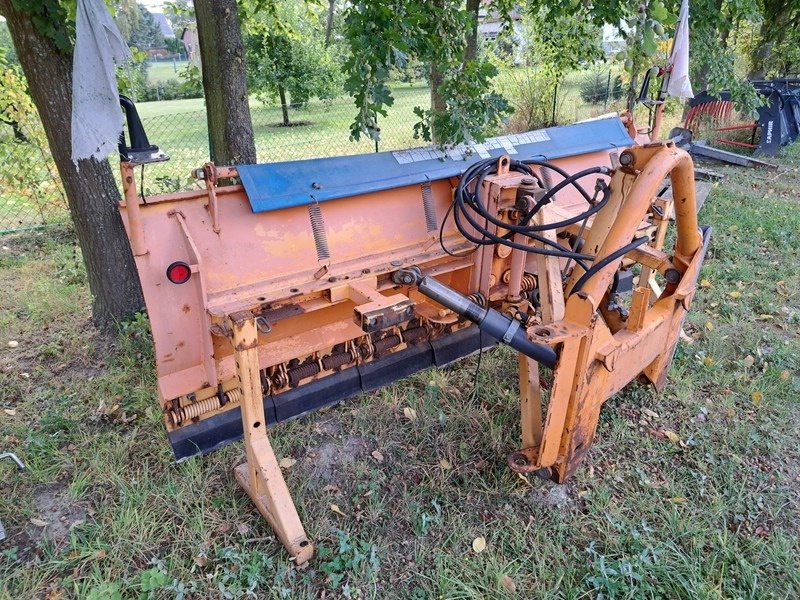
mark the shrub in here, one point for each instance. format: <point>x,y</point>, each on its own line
<point>170,89</point>
<point>530,94</point>
<point>596,88</point>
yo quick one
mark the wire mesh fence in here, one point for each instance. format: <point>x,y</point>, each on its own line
<point>30,191</point>
<point>31,195</point>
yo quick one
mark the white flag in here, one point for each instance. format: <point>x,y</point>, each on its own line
<point>679,84</point>
<point>96,115</point>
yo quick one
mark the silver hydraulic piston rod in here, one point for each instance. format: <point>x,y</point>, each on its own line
<point>492,322</point>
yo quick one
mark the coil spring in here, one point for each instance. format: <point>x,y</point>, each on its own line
<point>196,409</point>
<point>528,282</point>
<point>390,341</point>
<point>266,382</point>
<point>301,372</point>
<point>429,207</point>
<point>414,334</point>
<point>234,396</point>
<point>318,229</point>
<point>478,298</point>
<point>336,360</point>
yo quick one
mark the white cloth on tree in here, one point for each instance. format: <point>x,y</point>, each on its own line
<point>679,84</point>
<point>97,119</point>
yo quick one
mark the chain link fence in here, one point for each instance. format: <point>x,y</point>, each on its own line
<point>31,195</point>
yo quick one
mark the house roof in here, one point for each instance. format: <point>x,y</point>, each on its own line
<point>163,24</point>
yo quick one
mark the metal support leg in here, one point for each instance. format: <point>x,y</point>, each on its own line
<point>530,393</point>
<point>20,467</point>
<point>261,475</point>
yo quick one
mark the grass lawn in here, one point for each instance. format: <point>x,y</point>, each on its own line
<point>162,70</point>
<point>103,512</point>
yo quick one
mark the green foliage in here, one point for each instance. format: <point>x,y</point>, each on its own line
<point>720,74</point>
<point>385,35</point>
<point>530,92</point>
<point>300,66</point>
<point>132,76</point>
<point>189,84</point>
<point>351,557</point>
<point>600,86</point>
<point>470,109</point>
<point>7,45</point>
<point>27,171</point>
<point>54,19</point>
<point>180,14</point>
<point>138,26</point>
<point>562,43</point>
<point>286,55</point>
<point>171,89</point>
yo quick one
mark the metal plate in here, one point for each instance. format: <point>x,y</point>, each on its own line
<point>272,186</point>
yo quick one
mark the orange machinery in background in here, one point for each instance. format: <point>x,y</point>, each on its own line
<point>298,284</point>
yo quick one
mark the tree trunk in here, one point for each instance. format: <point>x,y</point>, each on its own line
<point>760,54</point>
<point>230,129</point>
<point>438,104</point>
<point>92,193</point>
<point>473,8</point>
<point>329,23</point>
<point>284,105</point>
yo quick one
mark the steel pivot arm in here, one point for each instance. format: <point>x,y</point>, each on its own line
<point>596,361</point>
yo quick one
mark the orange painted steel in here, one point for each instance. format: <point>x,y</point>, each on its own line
<point>266,317</point>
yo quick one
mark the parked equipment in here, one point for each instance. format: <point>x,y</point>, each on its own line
<point>306,282</point>
<point>778,121</point>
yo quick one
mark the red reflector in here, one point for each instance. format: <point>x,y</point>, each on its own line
<point>179,272</point>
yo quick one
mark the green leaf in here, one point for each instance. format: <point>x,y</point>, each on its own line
<point>649,44</point>
<point>658,11</point>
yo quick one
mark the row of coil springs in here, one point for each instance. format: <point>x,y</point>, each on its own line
<point>280,377</point>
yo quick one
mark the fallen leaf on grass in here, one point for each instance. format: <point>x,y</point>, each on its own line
<point>757,397</point>
<point>708,361</point>
<point>337,510</point>
<point>445,464</point>
<point>508,584</point>
<point>410,413</point>
<point>671,436</point>
<point>734,294</point>
<point>748,361</point>
<point>678,500</point>
<point>243,528</point>
<point>10,411</point>
<point>785,375</point>
<point>201,561</point>
<point>377,455</point>
<point>287,462</point>
<point>13,344</point>
<point>709,326</point>
<point>39,522</point>
<point>479,544</point>
<point>705,283</point>
<point>650,413</point>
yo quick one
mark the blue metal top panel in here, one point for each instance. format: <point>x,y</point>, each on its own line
<point>272,186</point>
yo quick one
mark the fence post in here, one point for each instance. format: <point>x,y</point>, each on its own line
<point>608,89</point>
<point>376,127</point>
<point>555,98</point>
